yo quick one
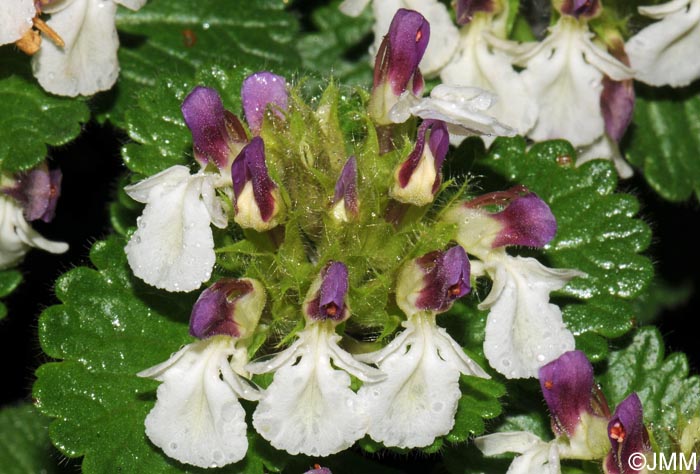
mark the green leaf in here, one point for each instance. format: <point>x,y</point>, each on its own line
<point>9,281</point>
<point>181,37</point>
<point>597,233</point>
<point>339,46</point>
<point>106,330</point>
<point>665,139</point>
<point>24,442</point>
<point>31,120</point>
<point>155,122</point>
<point>670,398</point>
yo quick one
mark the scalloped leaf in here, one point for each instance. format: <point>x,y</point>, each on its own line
<point>669,396</point>
<point>597,234</point>
<point>155,122</point>
<point>338,46</point>
<point>665,139</point>
<point>24,442</point>
<point>183,36</point>
<point>32,120</point>
<point>9,281</point>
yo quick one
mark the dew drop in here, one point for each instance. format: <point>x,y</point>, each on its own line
<point>438,406</point>
<point>540,357</point>
<point>173,446</point>
<point>218,456</point>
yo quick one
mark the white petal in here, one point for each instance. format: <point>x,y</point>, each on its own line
<point>507,442</point>
<point>173,246</point>
<point>417,401</point>
<point>168,178</point>
<point>17,236</point>
<point>542,459</point>
<point>605,148</point>
<point>443,32</point>
<point>523,330</point>
<point>537,456</point>
<point>353,7</point>
<point>309,407</point>
<point>344,360</point>
<point>461,108</point>
<point>477,64</point>
<point>564,75</point>
<point>131,4</point>
<point>88,61</point>
<point>197,418</point>
<point>664,53</point>
<point>659,11</point>
<point>15,19</point>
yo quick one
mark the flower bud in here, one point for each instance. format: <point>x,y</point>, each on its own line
<point>327,296</point>
<point>258,199</point>
<point>418,178</point>
<point>37,191</point>
<point>586,9</point>
<point>466,9</point>
<point>346,205</point>
<point>628,437</point>
<point>260,91</point>
<point>617,99</point>
<point>230,307</point>
<point>433,282</point>
<point>526,221</point>
<point>396,66</point>
<point>217,134</point>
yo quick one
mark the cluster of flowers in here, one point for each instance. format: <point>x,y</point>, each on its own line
<point>24,197</point>
<point>410,388</point>
<point>574,84</point>
<point>81,56</point>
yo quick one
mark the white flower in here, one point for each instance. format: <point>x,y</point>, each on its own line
<point>173,246</point>
<point>17,236</point>
<point>443,33</point>
<point>309,407</point>
<point>524,331</point>
<point>481,64</point>
<point>664,53</point>
<point>537,456</point>
<point>605,148</point>
<point>461,108</point>
<point>88,61</point>
<point>417,401</point>
<point>197,418</point>
<point>564,74</point>
<point>15,19</point>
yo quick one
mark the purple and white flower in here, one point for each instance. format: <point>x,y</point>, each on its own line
<point>27,197</point>
<point>418,399</point>
<point>445,35</point>
<point>417,180</point>
<point>523,330</point>
<point>309,407</point>
<point>197,418</point>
